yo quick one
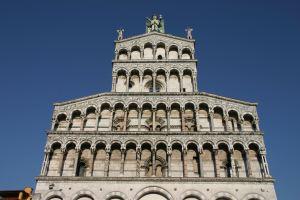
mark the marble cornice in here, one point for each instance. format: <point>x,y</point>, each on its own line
<point>154,179</point>
<point>156,61</point>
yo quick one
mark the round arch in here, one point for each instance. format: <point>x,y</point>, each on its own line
<point>55,195</point>
<point>84,193</point>
<point>115,194</point>
<point>225,195</point>
<point>192,194</point>
<point>153,190</point>
<point>253,196</point>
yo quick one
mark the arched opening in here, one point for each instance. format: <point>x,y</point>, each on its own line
<point>146,170</point>
<point>90,121</point>
<point>148,51</point>
<point>146,120</point>
<point>186,54</point>
<point>121,81</point>
<point>76,121</point>
<point>115,160</point>
<point>193,164</point>
<point>175,119</point>
<point>160,51</point>
<point>255,161</point>
<point>161,118</point>
<point>189,117</point>
<point>153,196</point>
<point>161,79</point>
<point>248,124</point>
<point>135,53</point>
<point>68,167</point>
<point>161,165</point>
<point>134,81</point>
<point>187,81</point>
<point>224,160</point>
<point>208,161</point>
<point>99,163</point>
<point>123,54</point>
<point>147,80</point>
<point>173,52</point>
<point>119,117</point>
<point>55,158</point>
<point>204,121</point>
<point>130,160</point>
<point>105,115</point>
<point>133,117</point>
<point>240,161</point>
<point>174,83</point>
<point>84,161</point>
<point>219,124</point>
<point>61,124</point>
<point>55,198</point>
<point>177,160</point>
<point>233,121</point>
<point>85,197</point>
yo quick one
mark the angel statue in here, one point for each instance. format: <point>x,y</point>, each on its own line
<point>189,33</point>
<point>120,34</point>
<point>155,24</point>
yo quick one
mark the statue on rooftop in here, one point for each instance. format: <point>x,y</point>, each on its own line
<point>155,24</point>
<point>189,33</point>
<point>120,34</point>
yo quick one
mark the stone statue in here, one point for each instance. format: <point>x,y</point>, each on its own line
<point>120,34</point>
<point>155,24</point>
<point>189,33</point>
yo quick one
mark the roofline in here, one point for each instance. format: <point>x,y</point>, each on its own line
<point>156,93</point>
<point>155,33</point>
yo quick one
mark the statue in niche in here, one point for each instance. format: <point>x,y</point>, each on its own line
<point>189,124</point>
<point>120,34</point>
<point>155,24</point>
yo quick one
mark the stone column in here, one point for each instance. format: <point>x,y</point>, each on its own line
<point>114,81</point>
<point>153,161</point>
<point>225,118</point>
<point>125,119</point>
<point>167,81</point>
<point>154,52</point>
<point>197,119</point>
<point>153,118</point>
<point>195,83</point>
<point>265,164</point>
<point>127,82</point>
<point>93,153</point>
<point>141,82</point>
<point>167,52</point>
<point>129,55</point>
<point>61,162</point>
<point>140,110</point>
<point>142,53</point>
<point>154,82</point>
<point>248,163</point>
<point>107,158</point>
<point>185,171</point>
<point>240,122</point>
<point>169,152</point>
<point>180,81</point>
<point>182,119</point>
<point>111,119</point>
<point>97,121</point>
<point>180,53</point>
<point>138,161</point>
<point>46,162</point>
<point>211,118</point>
<point>201,163</point>
<point>77,155</point>
<point>168,118</point>
<point>83,118</point>
<point>233,167</point>
<point>216,162</point>
<point>123,150</point>
<point>256,123</point>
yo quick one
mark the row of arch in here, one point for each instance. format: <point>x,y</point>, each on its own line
<point>160,160</point>
<point>150,51</point>
<point>158,81</point>
<point>159,118</point>
<point>153,192</point>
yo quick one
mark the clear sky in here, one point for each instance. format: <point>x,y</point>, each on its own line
<point>52,51</point>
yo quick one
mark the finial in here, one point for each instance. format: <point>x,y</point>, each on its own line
<point>189,33</point>
<point>120,34</point>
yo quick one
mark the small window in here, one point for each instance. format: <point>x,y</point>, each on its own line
<point>159,57</point>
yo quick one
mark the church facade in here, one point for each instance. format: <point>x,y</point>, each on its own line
<point>154,136</point>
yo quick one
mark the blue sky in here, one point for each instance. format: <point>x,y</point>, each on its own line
<point>52,51</point>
